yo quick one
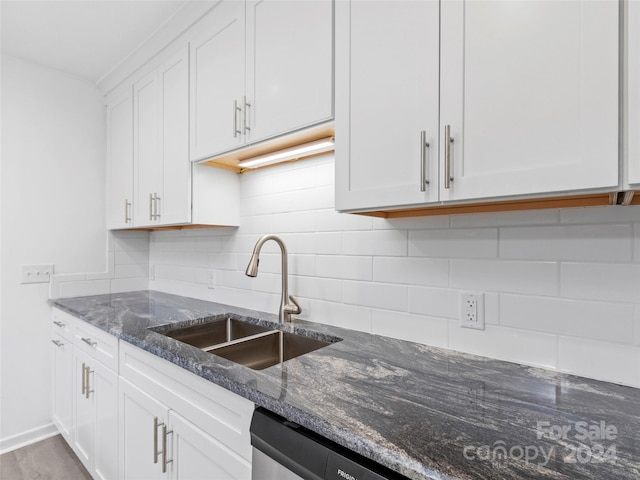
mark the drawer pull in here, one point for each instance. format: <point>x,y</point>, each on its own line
<point>88,341</point>
<point>60,324</point>
<point>57,343</point>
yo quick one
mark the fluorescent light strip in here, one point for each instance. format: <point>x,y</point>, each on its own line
<point>299,151</point>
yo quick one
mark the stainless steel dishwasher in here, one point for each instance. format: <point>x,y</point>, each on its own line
<point>283,450</point>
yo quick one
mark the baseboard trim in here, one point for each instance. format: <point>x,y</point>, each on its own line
<point>27,438</point>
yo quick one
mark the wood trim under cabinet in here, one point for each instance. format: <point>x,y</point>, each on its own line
<point>592,200</point>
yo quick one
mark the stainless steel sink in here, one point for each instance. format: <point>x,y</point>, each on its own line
<point>254,346</point>
<point>268,349</point>
<point>210,334</point>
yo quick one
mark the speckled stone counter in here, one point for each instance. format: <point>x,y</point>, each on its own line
<point>421,411</point>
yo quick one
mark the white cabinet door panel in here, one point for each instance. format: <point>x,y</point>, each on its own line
<point>120,159</point>
<point>196,454</point>
<point>289,65</point>
<point>633,105</point>
<point>175,202</point>
<point>530,90</point>
<point>63,386</point>
<point>104,382</point>
<point>386,95</point>
<point>217,79</point>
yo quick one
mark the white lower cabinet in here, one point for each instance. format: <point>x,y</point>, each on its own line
<point>128,414</point>
<point>95,416</point>
<point>174,425</point>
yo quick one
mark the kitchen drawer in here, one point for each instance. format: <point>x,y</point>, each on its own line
<point>97,343</point>
<point>62,324</point>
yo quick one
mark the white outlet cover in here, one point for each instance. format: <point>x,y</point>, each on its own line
<point>36,273</point>
<point>467,311</point>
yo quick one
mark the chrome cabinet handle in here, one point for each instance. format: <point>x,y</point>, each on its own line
<point>88,341</point>
<point>155,439</point>
<point>447,156</point>
<point>423,160</point>
<point>127,217</point>
<point>245,115</point>
<point>87,388</point>
<point>57,343</point>
<point>156,198</point>
<point>236,109</point>
<point>84,379</point>
<point>60,324</point>
<point>164,448</point>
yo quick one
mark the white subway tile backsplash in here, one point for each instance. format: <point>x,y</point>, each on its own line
<point>376,295</point>
<point>456,243</point>
<point>598,215</point>
<point>411,271</point>
<point>601,281</point>
<point>601,360</point>
<point>125,271</point>
<point>589,243</point>
<point>575,318</point>
<point>553,280</point>
<point>413,328</point>
<point>525,217</point>
<point>82,288</point>
<point>129,284</point>
<point>344,267</point>
<point>381,242</point>
<point>530,348</point>
<point>536,278</point>
<point>434,302</point>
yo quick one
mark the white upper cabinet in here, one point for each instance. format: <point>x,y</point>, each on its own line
<point>633,85</point>
<point>285,47</point>
<point>289,65</point>
<point>530,91</point>
<point>387,55</point>
<point>217,81</point>
<point>524,96</point>
<point>120,158</point>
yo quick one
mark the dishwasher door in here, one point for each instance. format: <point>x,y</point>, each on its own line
<point>283,450</point>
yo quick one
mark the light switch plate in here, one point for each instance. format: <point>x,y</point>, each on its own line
<point>36,273</point>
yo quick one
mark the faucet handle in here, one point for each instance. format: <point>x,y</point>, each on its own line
<point>292,309</point>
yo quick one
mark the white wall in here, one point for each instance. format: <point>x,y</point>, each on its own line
<point>562,287</point>
<point>52,212</point>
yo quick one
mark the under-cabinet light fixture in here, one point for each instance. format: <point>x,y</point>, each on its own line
<point>297,152</point>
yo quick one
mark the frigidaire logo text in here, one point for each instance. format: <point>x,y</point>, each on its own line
<point>345,475</point>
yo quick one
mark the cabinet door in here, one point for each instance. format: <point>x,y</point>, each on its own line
<point>84,411</point>
<point>386,95</point>
<point>174,205</point>
<point>138,459</point>
<point>530,92</point>
<point>633,86</point>
<point>145,155</point>
<point>217,82</point>
<point>104,384</point>
<point>289,65</point>
<point>63,386</point>
<point>120,159</point>
<point>195,452</point>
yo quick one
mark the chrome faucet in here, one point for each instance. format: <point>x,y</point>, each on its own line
<point>286,309</point>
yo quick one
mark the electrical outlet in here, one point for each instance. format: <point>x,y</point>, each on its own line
<point>36,273</point>
<point>212,279</point>
<point>472,310</point>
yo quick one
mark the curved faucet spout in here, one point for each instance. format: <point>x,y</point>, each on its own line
<point>286,309</point>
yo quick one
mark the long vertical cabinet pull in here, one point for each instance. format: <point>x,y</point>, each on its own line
<point>245,115</point>
<point>164,448</point>
<point>155,439</point>
<point>423,160</point>
<point>236,109</point>
<point>156,199</point>
<point>88,390</point>
<point>447,156</point>
<point>127,206</point>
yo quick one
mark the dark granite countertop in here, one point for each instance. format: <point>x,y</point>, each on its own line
<point>422,411</point>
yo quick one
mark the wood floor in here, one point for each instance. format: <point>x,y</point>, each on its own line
<point>50,459</point>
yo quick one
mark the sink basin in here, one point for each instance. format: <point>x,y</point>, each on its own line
<point>207,335</point>
<point>269,349</point>
<point>254,346</point>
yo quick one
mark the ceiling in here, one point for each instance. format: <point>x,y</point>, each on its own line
<point>86,38</point>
